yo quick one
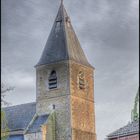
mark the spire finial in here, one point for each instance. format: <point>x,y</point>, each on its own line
<point>61,1</point>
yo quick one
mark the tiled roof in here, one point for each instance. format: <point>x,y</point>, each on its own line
<point>35,126</point>
<point>129,129</point>
<point>19,116</point>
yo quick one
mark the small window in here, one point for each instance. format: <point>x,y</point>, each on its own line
<point>58,25</point>
<point>53,80</point>
<point>81,80</point>
<point>68,21</point>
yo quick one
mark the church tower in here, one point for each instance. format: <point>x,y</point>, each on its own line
<point>64,80</point>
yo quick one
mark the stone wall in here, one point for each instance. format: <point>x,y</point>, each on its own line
<point>59,97</point>
<point>42,76</point>
<point>33,136</point>
<point>62,115</point>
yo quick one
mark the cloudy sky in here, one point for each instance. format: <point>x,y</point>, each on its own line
<point>108,32</point>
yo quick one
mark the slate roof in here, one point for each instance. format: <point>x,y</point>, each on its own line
<point>62,43</point>
<point>36,125</point>
<point>130,129</point>
<point>19,116</point>
<point>16,137</point>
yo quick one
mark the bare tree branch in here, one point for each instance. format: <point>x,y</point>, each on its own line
<point>5,90</point>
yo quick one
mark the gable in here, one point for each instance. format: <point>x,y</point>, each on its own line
<point>37,123</point>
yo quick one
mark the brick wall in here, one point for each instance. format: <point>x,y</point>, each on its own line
<point>82,103</point>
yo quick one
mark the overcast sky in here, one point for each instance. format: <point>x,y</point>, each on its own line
<point>108,33</point>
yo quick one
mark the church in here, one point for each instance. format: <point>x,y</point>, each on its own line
<point>64,107</point>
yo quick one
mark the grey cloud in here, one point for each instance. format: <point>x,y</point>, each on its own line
<point>108,32</point>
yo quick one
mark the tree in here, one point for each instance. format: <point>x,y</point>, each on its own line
<point>4,126</point>
<point>135,113</point>
<point>4,123</point>
<point>4,91</point>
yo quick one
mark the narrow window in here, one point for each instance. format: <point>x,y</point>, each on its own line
<point>53,80</point>
<point>81,79</point>
<point>58,25</point>
<point>68,21</point>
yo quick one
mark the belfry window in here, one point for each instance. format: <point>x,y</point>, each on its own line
<point>53,80</point>
<point>81,80</point>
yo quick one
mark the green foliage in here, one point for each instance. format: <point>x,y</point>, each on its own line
<point>51,132</point>
<point>4,123</point>
<point>4,126</point>
<point>135,113</point>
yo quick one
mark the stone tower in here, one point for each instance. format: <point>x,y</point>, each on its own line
<point>64,80</point>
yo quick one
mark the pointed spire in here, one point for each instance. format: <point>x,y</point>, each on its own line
<point>60,14</point>
<point>62,43</point>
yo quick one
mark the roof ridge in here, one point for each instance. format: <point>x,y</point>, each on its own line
<point>65,35</point>
<point>126,127</point>
<point>36,122</point>
<point>31,122</point>
<point>18,105</point>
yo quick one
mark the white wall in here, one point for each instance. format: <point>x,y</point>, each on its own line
<point>33,136</point>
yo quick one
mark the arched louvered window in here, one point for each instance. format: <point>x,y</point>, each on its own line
<point>81,80</point>
<point>53,80</point>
